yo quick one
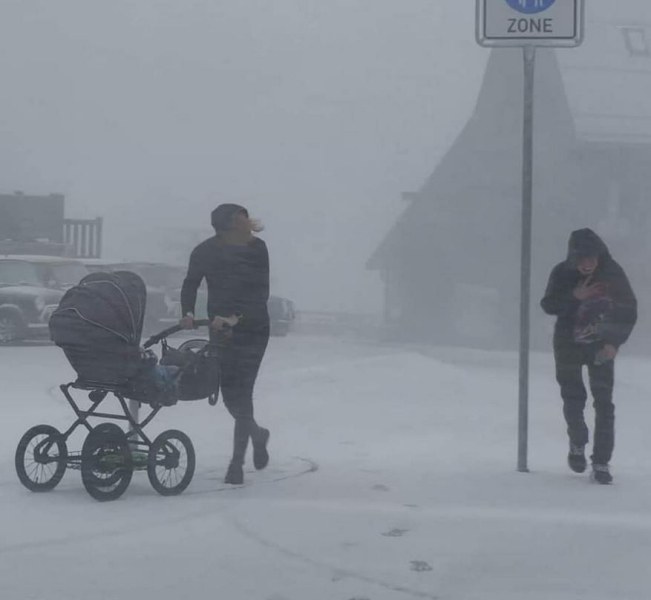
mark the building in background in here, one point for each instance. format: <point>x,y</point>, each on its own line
<point>38,225</point>
<point>450,265</point>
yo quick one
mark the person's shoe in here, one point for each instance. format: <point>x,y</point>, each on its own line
<point>601,474</point>
<point>260,453</point>
<point>576,458</point>
<point>234,475</point>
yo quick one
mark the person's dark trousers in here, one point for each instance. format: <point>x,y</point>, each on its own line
<point>240,359</point>
<point>570,359</point>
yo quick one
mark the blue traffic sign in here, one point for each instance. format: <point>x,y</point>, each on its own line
<point>530,7</point>
<point>510,23</point>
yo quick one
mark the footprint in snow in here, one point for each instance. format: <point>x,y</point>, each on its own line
<point>395,532</point>
<point>420,566</point>
<point>380,487</point>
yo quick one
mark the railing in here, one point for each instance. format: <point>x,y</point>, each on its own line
<point>85,236</point>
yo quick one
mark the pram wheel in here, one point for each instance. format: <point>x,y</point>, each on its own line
<point>106,465</point>
<point>41,458</point>
<point>171,462</point>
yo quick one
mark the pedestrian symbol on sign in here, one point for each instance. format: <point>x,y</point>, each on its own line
<point>530,7</point>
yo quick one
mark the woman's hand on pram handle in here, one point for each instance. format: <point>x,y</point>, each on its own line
<point>221,323</point>
<point>187,322</point>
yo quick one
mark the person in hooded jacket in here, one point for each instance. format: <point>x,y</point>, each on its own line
<point>596,311</point>
<point>235,264</point>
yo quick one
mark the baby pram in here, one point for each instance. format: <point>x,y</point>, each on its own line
<point>98,324</point>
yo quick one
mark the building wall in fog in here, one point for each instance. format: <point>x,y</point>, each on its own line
<point>451,263</point>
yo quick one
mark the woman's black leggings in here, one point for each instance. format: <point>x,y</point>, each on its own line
<point>240,359</point>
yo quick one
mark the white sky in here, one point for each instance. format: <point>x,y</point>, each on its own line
<point>314,114</point>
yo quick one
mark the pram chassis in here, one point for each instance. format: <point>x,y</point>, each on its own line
<point>109,454</point>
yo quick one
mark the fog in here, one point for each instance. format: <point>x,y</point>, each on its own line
<point>316,115</point>
<point>381,147</point>
<point>319,117</point>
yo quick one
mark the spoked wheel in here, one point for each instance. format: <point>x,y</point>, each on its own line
<point>193,345</point>
<point>171,462</point>
<point>41,458</point>
<point>106,466</point>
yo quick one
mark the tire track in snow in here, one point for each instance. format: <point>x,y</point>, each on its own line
<point>312,467</point>
<point>338,572</point>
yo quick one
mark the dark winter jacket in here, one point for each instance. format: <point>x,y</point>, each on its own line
<point>559,299</point>
<point>237,278</point>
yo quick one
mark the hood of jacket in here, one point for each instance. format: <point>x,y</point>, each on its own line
<point>584,243</point>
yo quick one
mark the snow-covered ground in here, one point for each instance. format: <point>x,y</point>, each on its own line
<point>392,476</point>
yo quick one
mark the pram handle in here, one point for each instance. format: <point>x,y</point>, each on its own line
<point>154,339</point>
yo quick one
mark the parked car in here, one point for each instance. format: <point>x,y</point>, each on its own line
<point>31,288</point>
<point>58,273</point>
<point>282,314</point>
<point>158,302</point>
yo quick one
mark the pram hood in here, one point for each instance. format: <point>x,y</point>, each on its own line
<point>98,324</point>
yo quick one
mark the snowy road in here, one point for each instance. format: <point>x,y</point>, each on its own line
<point>392,477</point>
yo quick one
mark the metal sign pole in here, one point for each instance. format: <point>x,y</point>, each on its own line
<point>528,24</point>
<point>529,54</point>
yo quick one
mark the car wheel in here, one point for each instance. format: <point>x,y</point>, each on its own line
<point>10,328</point>
<point>279,329</point>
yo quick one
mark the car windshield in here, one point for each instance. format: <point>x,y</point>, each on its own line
<point>168,278</point>
<point>18,273</point>
<point>160,276</point>
<point>67,274</point>
<point>107,267</point>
